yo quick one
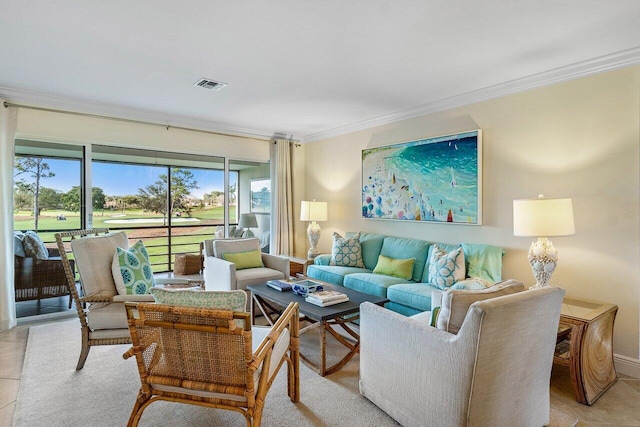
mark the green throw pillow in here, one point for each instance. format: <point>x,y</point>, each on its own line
<point>346,252</point>
<point>401,268</point>
<point>242,260</point>
<point>136,275</point>
<point>220,300</point>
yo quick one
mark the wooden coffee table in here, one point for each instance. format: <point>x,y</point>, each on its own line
<point>271,303</point>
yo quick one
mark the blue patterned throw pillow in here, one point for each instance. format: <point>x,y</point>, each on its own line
<point>444,268</point>
<point>132,271</point>
<point>346,252</point>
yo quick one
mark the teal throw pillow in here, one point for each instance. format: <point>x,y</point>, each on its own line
<point>346,252</point>
<point>132,271</point>
<point>444,270</point>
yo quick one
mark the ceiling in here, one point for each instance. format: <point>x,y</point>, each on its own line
<point>307,69</point>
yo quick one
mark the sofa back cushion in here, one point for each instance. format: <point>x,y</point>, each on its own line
<point>223,246</point>
<point>94,257</point>
<point>18,249</point>
<point>33,246</point>
<point>456,303</point>
<point>370,245</point>
<point>401,248</point>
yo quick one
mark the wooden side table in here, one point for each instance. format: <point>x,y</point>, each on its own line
<point>585,346</point>
<point>298,266</point>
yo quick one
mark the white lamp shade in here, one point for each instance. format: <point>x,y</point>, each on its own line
<point>543,217</point>
<point>248,220</point>
<point>313,211</point>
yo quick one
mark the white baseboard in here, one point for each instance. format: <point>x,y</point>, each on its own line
<point>627,365</point>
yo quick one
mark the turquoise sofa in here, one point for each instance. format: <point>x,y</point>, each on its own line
<point>483,263</point>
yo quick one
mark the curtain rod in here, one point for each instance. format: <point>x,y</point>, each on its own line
<point>98,116</point>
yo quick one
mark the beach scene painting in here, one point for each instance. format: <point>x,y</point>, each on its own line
<point>435,179</point>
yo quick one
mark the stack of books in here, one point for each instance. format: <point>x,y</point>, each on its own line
<point>326,298</point>
<point>281,285</point>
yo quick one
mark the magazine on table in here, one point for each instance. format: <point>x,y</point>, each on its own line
<point>328,295</point>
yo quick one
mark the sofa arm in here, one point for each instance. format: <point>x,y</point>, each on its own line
<point>219,275</point>
<point>322,259</point>
<point>400,358</point>
<point>276,262</point>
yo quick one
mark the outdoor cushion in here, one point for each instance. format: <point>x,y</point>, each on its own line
<point>94,256</point>
<point>18,249</point>
<point>107,316</point>
<point>33,246</point>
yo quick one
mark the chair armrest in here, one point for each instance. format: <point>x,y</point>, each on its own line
<point>276,262</point>
<point>391,343</point>
<point>53,252</point>
<point>219,275</point>
<point>322,259</point>
<point>133,298</point>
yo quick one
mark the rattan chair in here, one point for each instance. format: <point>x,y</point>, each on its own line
<point>103,320</point>
<point>207,357</point>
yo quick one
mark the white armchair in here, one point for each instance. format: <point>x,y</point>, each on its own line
<point>220,274</point>
<point>495,371</point>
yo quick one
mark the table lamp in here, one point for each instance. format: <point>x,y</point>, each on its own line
<point>313,211</point>
<point>543,218</point>
<point>248,221</point>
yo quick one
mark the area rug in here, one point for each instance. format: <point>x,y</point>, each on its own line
<point>53,394</point>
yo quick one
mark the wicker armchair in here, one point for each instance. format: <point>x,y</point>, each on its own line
<point>209,357</point>
<point>36,279</point>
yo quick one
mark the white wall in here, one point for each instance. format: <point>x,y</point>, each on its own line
<point>578,139</point>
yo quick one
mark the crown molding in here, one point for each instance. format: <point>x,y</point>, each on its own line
<point>574,71</point>
<point>75,106</point>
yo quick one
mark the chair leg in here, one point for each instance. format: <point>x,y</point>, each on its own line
<point>138,408</point>
<point>84,352</point>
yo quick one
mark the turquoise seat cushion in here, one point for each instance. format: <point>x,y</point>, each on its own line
<point>333,274</point>
<point>414,295</point>
<point>401,248</point>
<point>371,245</point>
<point>372,284</point>
<point>401,309</point>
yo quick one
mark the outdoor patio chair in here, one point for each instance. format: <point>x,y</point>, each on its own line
<point>211,358</point>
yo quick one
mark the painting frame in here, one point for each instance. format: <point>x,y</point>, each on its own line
<point>435,179</point>
<point>259,203</point>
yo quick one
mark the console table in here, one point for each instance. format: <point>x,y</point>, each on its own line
<point>584,344</point>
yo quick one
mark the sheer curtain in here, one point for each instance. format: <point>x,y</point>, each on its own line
<point>8,118</point>
<point>282,198</point>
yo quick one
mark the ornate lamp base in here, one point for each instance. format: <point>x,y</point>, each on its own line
<point>543,258</point>
<point>313,231</point>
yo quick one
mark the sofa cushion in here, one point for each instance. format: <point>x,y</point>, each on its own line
<point>483,261</point>
<point>131,269</point>
<point>256,276</point>
<point>371,245</point>
<point>332,273</point>
<point>372,284</point>
<point>107,316</point>
<point>33,246</point>
<point>222,246</point>
<point>346,252</point>
<point>220,300</point>
<point>445,269</point>
<point>414,295</point>
<point>456,303</point>
<point>94,256</point>
<point>401,268</point>
<point>398,247</point>
<point>242,260</point>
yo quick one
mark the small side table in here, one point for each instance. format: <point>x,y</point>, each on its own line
<point>298,266</point>
<point>585,345</point>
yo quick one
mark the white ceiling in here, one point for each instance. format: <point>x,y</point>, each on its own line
<point>309,69</point>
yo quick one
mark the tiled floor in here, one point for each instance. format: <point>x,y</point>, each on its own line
<point>619,406</point>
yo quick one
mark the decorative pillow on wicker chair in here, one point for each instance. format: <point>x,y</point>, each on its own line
<point>445,269</point>
<point>346,252</point>
<point>221,300</point>
<point>132,271</point>
<point>34,246</point>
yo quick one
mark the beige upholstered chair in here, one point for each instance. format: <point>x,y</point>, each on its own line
<point>104,320</point>
<point>220,274</point>
<point>494,372</point>
<point>204,357</point>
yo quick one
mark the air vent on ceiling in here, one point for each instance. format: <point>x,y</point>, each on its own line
<point>210,84</point>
